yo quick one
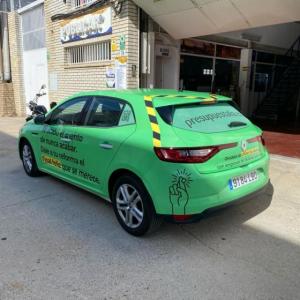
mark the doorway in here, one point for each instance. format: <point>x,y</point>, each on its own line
<point>196,73</point>
<point>210,67</point>
<point>35,67</point>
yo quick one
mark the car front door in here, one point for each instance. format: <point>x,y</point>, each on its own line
<point>108,123</point>
<point>60,142</point>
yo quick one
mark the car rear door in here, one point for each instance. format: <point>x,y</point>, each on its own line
<point>109,122</point>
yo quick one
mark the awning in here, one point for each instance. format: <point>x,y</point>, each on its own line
<point>191,18</point>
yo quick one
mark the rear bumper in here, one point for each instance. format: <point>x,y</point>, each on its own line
<point>197,217</point>
<point>180,189</point>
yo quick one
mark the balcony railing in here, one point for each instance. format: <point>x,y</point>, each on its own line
<point>75,4</point>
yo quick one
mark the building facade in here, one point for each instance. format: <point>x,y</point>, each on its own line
<point>75,45</point>
<point>103,53</point>
<point>71,46</point>
<point>258,68</point>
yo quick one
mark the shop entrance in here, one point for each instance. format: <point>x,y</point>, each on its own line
<point>196,73</point>
<point>210,67</point>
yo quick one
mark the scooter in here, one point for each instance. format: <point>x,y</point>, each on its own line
<point>34,107</point>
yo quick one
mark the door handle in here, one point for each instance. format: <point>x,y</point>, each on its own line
<point>106,146</point>
<point>65,140</point>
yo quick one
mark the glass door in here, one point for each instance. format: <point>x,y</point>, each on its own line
<point>227,78</point>
<point>196,73</point>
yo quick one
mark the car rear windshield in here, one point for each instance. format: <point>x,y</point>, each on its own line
<point>204,118</point>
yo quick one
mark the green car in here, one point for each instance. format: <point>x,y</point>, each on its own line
<point>152,153</point>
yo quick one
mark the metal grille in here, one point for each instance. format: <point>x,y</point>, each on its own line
<point>33,29</point>
<point>88,53</point>
<point>80,3</point>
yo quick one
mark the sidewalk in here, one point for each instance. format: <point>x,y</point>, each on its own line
<point>281,143</point>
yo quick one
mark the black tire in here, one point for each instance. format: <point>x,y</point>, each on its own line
<point>28,154</point>
<point>150,221</point>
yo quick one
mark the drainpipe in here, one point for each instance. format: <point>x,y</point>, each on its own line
<point>4,42</point>
<point>1,60</point>
<point>297,110</point>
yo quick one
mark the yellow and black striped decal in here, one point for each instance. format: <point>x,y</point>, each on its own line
<point>211,99</point>
<point>153,121</point>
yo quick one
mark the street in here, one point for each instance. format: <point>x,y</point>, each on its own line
<point>60,242</point>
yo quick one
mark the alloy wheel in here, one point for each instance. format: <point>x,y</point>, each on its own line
<point>27,158</point>
<point>130,205</point>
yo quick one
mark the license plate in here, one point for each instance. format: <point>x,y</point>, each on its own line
<point>239,181</point>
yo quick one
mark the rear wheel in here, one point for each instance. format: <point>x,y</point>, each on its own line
<point>28,159</point>
<point>133,206</point>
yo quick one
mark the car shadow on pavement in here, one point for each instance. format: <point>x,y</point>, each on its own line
<point>223,220</point>
<point>235,214</point>
<point>231,215</point>
<point>255,204</point>
<point>229,234</point>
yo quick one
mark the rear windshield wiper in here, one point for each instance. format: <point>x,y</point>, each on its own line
<point>236,124</point>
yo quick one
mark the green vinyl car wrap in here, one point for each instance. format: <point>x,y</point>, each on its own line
<point>151,152</point>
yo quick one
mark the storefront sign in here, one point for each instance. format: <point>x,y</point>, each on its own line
<point>122,45</point>
<point>110,77</point>
<point>118,45</point>
<point>88,26</point>
<point>116,76</point>
<point>121,73</point>
<point>162,51</point>
<point>114,45</point>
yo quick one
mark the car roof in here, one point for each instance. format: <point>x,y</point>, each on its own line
<point>161,97</point>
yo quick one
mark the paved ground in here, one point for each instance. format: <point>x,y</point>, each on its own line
<point>58,242</point>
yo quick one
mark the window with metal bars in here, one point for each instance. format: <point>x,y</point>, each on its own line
<point>80,3</point>
<point>33,29</point>
<point>88,53</point>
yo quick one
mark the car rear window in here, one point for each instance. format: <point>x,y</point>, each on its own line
<point>205,118</point>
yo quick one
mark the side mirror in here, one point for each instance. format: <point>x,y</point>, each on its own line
<point>40,110</point>
<point>39,119</point>
<point>53,104</point>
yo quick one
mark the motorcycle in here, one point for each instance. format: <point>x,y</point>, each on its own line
<point>34,107</point>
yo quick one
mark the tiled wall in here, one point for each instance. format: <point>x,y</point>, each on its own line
<point>71,79</point>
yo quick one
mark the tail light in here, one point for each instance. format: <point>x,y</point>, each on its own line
<point>259,139</point>
<point>190,155</point>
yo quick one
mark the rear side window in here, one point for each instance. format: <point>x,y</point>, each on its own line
<point>203,118</point>
<point>127,117</point>
<point>105,112</point>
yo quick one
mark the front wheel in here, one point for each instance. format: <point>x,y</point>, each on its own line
<point>28,159</point>
<point>133,206</point>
